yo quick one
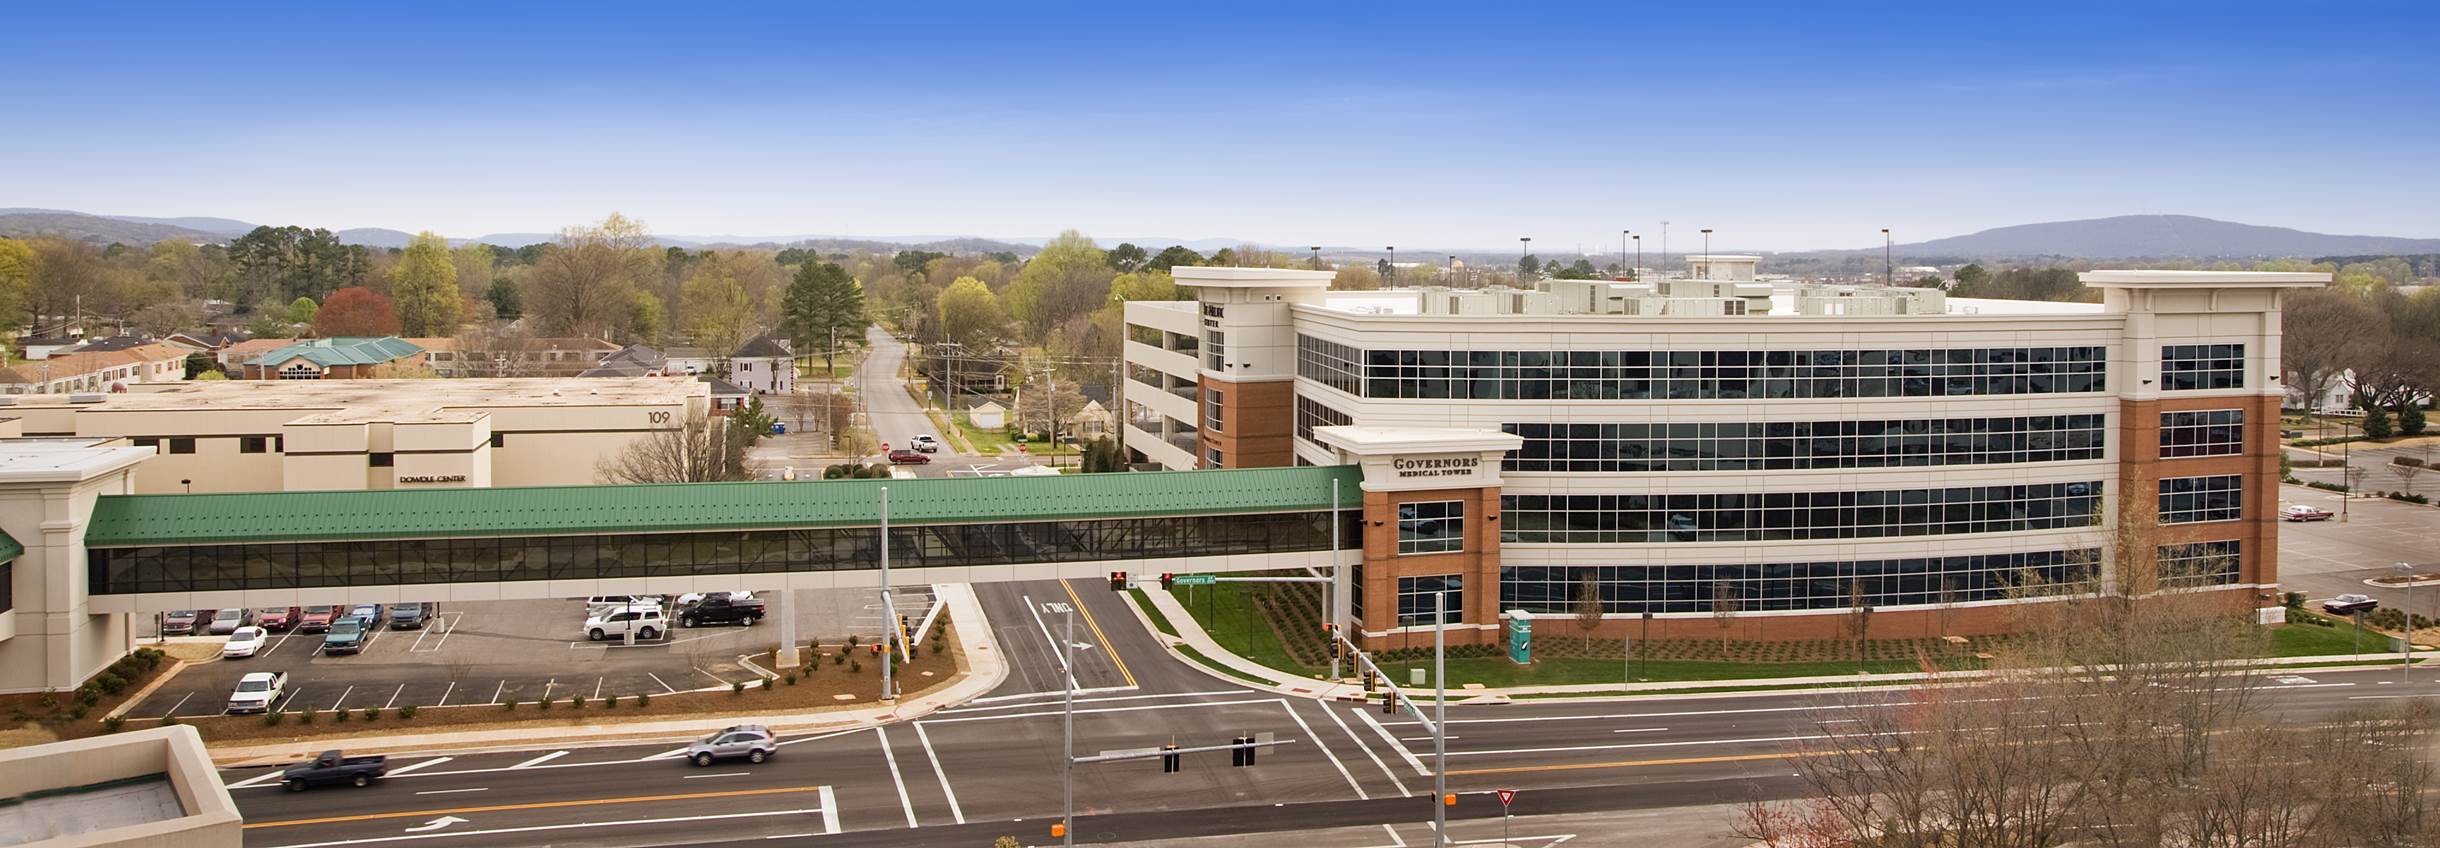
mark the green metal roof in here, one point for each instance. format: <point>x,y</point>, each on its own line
<point>350,350</point>
<point>10,548</point>
<point>131,520</point>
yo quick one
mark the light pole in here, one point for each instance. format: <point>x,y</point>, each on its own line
<point>1067,772</point>
<point>1706,252</point>
<point>889,608</point>
<point>1639,259</point>
<point>1622,251</point>
<point>2352,474</point>
<point>1887,267</point>
<point>1440,717</point>
<point>1317,257</point>
<point>1393,265</point>
<point>1331,590</point>
<point>2406,645</point>
<point>1524,249</point>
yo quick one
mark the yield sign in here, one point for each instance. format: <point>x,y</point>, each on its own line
<point>1507,797</point>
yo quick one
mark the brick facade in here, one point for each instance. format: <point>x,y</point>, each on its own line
<point>1257,420</point>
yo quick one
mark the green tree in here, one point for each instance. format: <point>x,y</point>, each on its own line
<point>303,310</point>
<point>1529,267</point>
<point>1971,276</point>
<point>2410,420</point>
<point>824,305</point>
<point>1173,256</point>
<point>752,418</point>
<point>1355,278</point>
<point>1067,279</point>
<point>1126,258</point>
<point>424,288</point>
<point>716,309</point>
<point>1102,456</point>
<point>506,303</point>
<point>970,315</point>
<point>1143,285</point>
<point>644,315</point>
<point>16,282</point>
<point>585,283</point>
<point>2376,423</point>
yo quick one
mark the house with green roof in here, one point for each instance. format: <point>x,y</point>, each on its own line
<point>339,358</point>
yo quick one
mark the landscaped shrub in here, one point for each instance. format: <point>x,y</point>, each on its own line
<point>576,702</point>
<point>2410,420</point>
<point>839,658</point>
<point>372,713</point>
<point>542,703</point>
<point>113,723</point>
<point>2295,600</point>
<point>791,678</point>
<point>272,718</point>
<point>855,666</point>
<point>737,687</point>
<point>406,712</point>
<point>110,683</point>
<point>2412,499</point>
<point>610,702</point>
<point>509,705</point>
<point>304,716</point>
<point>643,699</point>
<point>170,719</point>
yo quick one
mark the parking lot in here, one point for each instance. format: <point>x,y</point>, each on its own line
<point>491,652</point>
<point>2324,559</point>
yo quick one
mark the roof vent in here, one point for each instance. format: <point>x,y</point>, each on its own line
<point>5,400</point>
<point>88,397</point>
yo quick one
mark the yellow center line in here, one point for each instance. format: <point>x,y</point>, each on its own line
<point>1097,635</point>
<point>1678,761</point>
<point>538,805</point>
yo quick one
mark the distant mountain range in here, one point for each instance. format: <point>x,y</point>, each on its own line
<point>2122,237</point>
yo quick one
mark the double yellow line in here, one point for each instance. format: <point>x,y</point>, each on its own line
<point>1097,635</point>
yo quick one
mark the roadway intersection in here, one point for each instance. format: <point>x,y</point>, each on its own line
<point>966,775</point>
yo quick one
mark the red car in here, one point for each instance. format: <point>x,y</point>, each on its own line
<point>316,619</point>
<point>277,619</point>
<point>2303,512</point>
<point>903,456</point>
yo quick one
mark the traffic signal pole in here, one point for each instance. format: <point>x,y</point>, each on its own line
<point>1067,772</point>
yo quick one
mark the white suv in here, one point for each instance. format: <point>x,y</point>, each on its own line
<point>644,622</point>
<point>925,443</point>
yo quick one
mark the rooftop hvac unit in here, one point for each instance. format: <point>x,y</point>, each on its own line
<point>87,397</point>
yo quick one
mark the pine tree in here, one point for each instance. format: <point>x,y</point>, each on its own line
<point>2376,423</point>
<point>824,306</point>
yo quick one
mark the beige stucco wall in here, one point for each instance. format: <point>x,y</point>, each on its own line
<point>57,642</point>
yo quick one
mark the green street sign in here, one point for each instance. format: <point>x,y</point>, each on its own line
<point>1192,580</point>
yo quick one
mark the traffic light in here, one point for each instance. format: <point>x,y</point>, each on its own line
<point>1389,703</point>
<point>1368,681</point>
<point>1170,761</point>
<point>1118,581</point>
<point>1168,580</point>
<point>1059,830</point>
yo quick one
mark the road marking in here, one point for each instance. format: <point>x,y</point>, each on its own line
<point>540,760</point>
<point>1394,840</point>
<point>665,687</point>
<point>343,693</point>
<point>1367,749</point>
<point>1425,738</point>
<point>441,823</point>
<point>542,805</point>
<point>998,700</point>
<point>886,754</point>
<point>425,764</point>
<point>830,811</point>
<point>597,687</point>
<point>173,708</point>
<point>721,774</point>
<point>496,691</point>
<point>1679,761</point>
<point>820,737</point>
<point>542,827</point>
<point>402,688</point>
<point>673,752</point>
<point>1411,760</point>
<point>1326,752</point>
<point>449,630</point>
<point>256,780</point>
<point>1035,610</point>
<point>453,791</point>
<point>1107,650</point>
<point>445,694</point>
<point>1631,730</point>
<point>292,697</point>
<point>1566,748</point>
<point>546,687</point>
<point>959,814</point>
<point>1138,708</point>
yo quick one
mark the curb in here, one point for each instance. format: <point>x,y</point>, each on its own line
<point>149,688</point>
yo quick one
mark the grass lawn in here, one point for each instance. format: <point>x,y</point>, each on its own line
<point>1233,622</point>
<point>992,442</point>
<point>2308,640</point>
<point>1159,622</point>
<point>812,370</point>
<point>1499,672</point>
<point>1197,656</point>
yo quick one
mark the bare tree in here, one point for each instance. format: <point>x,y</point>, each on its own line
<point>703,449</point>
<point>2406,474</point>
<point>1859,618</point>
<point>1588,605</point>
<point>1724,606</point>
<point>2324,333</point>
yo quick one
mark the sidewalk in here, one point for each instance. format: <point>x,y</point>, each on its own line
<point>986,669</point>
<point>1192,635</point>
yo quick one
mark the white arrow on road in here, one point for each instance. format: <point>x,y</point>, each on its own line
<point>436,824</point>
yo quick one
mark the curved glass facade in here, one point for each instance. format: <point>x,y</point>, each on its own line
<point>299,565</point>
<point>1701,374</point>
<point>1915,581</point>
<point>1797,516</point>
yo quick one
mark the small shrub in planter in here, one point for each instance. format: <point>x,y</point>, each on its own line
<point>791,679</point>
<point>169,719</point>
<point>272,718</point>
<point>406,712</point>
<point>78,714</point>
<point>576,702</point>
<point>610,702</point>
<point>304,716</point>
<point>113,723</point>
<point>737,687</point>
<point>856,666</point>
<point>838,659</point>
<point>913,652</point>
<point>372,713</point>
<point>542,703</point>
<point>111,684</point>
<point>853,641</point>
<point>643,699</point>
<point>509,705</point>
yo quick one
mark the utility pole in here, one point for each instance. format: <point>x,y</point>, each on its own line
<point>2406,645</point>
<point>1330,590</point>
<point>1440,717</point>
<point>1888,267</point>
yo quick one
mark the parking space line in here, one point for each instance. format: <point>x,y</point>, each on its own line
<point>173,708</point>
<point>401,690</point>
<point>540,760</point>
<point>293,696</point>
<point>597,688</point>
<point>275,644</point>
<point>546,687</point>
<point>496,691</point>
<point>453,791</point>
<point>425,764</point>
<point>721,774</point>
<point>951,794</point>
<point>886,754</point>
<point>343,693</point>
<point>1326,752</point>
<point>664,683</point>
<point>445,694</point>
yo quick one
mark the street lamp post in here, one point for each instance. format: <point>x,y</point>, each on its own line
<point>1707,252</point>
<point>1393,265</point>
<point>889,607</point>
<point>1888,268</point>
<point>1639,258</point>
<point>2406,645</point>
<point>1524,249</point>
<point>1317,257</point>
<point>1622,251</point>
<point>1440,717</point>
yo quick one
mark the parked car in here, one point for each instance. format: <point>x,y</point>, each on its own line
<point>2303,512</point>
<point>225,622</point>
<point>277,619</point>
<point>244,643</point>
<point>2291,434</point>
<point>903,456</point>
<point>604,601</point>
<point>332,768</point>
<point>316,619</point>
<point>689,599</point>
<point>257,691</point>
<point>186,622</point>
<point>722,609</point>
<point>753,742</point>
<point>368,615</point>
<point>410,616</point>
<point>644,622</point>
<point>345,636</point>
<point>2350,604</point>
<point>924,442</point>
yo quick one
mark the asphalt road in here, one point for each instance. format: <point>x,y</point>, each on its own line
<point>990,768</point>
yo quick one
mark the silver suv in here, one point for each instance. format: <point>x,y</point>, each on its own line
<point>751,741</point>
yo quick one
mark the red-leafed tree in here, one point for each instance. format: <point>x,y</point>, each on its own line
<point>356,311</point>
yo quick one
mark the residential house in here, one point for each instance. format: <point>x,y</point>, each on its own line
<point>207,342</point>
<point>40,347</point>
<point>988,415</point>
<point>764,365</point>
<point>688,360</point>
<point>634,360</point>
<point>234,355</point>
<point>344,358</point>
<point>1094,420</point>
<point>726,396</point>
<point>108,370</point>
<point>514,357</point>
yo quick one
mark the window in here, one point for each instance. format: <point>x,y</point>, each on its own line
<point>1797,516</point>
<point>2185,500</point>
<point>145,442</point>
<point>1310,415</point>
<point>380,460</point>
<point>499,440</point>
<point>1431,527</point>
<point>1215,355</point>
<point>1212,459</point>
<point>253,444</point>
<point>2196,367</point>
<point>182,445</point>
<point>2210,432</point>
<point>2199,564</point>
<point>1701,374</point>
<point>300,371</point>
<point>1761,587</point>
<point>1416,597</point>
<point>1213,400</point>
<point>1775,445</point>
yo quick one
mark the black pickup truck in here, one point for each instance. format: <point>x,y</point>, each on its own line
<point>718,608</point>
<point>332,768</point>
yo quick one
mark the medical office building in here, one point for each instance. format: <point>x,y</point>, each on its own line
<point>1787,451</point>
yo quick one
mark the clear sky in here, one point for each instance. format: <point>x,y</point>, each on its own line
<point>1807,125</point>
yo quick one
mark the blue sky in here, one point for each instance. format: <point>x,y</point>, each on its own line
<point>1465,125</point>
